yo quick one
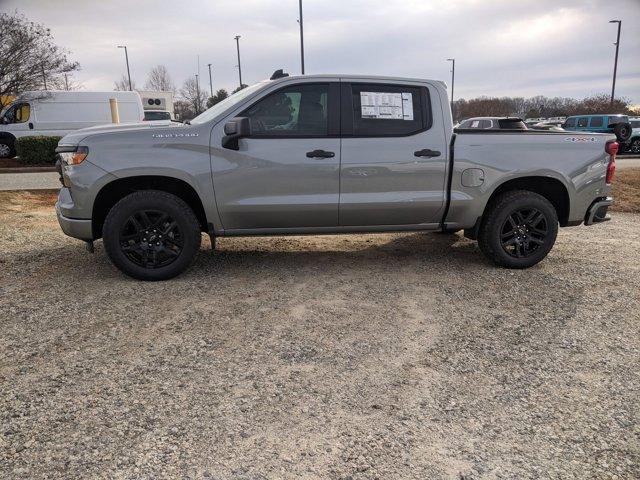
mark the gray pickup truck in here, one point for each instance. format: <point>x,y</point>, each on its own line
<point>320,154</point>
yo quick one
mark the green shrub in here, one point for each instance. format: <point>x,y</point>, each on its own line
<point>37,150</point>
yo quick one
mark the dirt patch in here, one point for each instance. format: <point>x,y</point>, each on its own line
<point>27,200</point>
<point>391,356</point>
<point>626,191</point>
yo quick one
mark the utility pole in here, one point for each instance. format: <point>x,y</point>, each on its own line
<point>210,79</point>
<point>126,56</point>
<point>197,95</point>
<point>615,64</point>
<point>453,78</point>
<point>237,37</point>
<point>301,38</point>
<point>44,77</point>
<point>66,82</point>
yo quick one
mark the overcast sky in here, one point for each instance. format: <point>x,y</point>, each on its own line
<point>502,47</point>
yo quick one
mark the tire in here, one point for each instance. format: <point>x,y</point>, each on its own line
<point>518,229</point>
<point>634,146</point>
<point>7,149</point>
<point>623,131</point>
<point>151,235</point>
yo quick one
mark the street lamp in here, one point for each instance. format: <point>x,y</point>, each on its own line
<point>237,37</point>
<point>197,95</point>
<point>615,64</point>
<point>301,37</point>
<point>453,78</point>
<point>126,56</point>
<point>210,79</point>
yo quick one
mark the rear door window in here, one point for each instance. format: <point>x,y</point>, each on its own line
<point>381,110</point>
<point>583,122</point>
<point>596,122</point>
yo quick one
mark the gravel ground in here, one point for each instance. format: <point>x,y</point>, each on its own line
<point>393,356</point>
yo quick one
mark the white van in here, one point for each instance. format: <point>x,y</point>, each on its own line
<point>59,112</point>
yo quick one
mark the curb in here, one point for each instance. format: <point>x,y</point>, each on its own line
<point>27,170</point>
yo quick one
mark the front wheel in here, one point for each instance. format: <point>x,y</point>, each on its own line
<point>7,149</point>
<point>634,147</point>
<point>518,230</point>
<point>151,235</point>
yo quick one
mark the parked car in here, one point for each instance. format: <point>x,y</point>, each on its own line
<point>56,113</point>
<point>493,123</point>
<point>633,145</point>
<point>319,154</point>
<point>551,125</point>
<point>612,123</point>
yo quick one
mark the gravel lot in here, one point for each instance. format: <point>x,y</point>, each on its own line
<point>392,356</point>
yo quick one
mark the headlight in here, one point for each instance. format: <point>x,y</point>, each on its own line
<point>75,158</point>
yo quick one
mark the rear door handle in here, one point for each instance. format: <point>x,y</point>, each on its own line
<point>426,153</point>
<point>320,154</point>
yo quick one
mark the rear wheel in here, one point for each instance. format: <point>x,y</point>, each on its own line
<point>151,235</point>
<point>518,229</point>
<point>634,147</point>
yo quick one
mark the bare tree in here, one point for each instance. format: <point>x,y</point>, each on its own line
<point>217,97</point>
<point>160,80</point>
<point>193,96</point>
<point>123,84</point>
<point>539,106</point>
<point>66,82</point>
<point>28,57</point>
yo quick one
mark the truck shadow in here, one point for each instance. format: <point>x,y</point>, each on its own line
<point>338,252</point>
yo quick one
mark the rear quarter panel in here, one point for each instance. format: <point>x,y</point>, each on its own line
<point>577,160</point>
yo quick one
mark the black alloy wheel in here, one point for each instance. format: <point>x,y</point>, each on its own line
<point>151,239</point>
<point>524,232</point>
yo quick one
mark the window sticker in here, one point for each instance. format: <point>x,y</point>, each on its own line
<point>386,106</point>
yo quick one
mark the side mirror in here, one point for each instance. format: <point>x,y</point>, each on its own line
<point>234,130</point>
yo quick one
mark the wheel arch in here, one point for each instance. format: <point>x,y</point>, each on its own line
<point>549,187</point>
<point>117,189</point>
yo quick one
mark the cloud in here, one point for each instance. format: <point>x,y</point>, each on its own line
<point>529,47</point>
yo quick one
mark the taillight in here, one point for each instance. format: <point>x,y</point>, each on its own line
<point>612,149</point>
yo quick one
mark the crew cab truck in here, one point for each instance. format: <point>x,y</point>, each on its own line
<point>321,154</point>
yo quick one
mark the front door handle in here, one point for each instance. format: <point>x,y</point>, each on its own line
<point>320,154</point>
<point>426,153</point>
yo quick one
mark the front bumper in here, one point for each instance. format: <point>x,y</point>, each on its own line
<point>597,212</point>
<point>74,227</point>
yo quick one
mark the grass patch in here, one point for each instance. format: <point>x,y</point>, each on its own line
<point>626,191</point>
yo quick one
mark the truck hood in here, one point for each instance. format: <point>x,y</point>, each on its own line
<point>76,137</point>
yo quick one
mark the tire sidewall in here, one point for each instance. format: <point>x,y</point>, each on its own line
<point>532,200</point>
<point>160,201</point>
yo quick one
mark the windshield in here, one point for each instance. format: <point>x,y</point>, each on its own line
<point>227,103</point>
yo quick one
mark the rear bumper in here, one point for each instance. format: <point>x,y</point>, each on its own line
<point>597,212</point>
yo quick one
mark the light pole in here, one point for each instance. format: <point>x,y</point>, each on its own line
<point>126,56</point>
<point>237,37</point>
<point>615,64</point>
<point>301,38</point>
<point>210,79</point>
<point>197,95</point>
<point>453,78</point>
